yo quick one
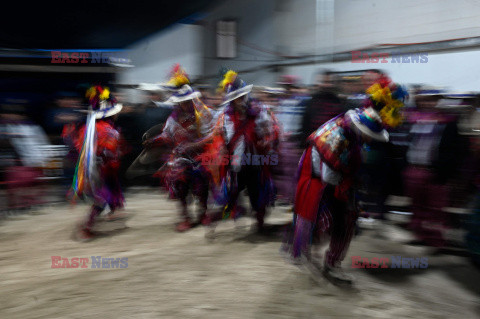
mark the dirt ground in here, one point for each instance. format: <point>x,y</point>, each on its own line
<point>235,275</point>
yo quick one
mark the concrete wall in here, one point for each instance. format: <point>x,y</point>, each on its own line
<point>307,26</point>
<point>453,70</point>
<point>256,35</point>
<point>267,29</point>
<point>360,23</point>
<point>312,26</point>
<point>154,56</point>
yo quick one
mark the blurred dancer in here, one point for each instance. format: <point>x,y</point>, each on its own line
<point>248,133</point>
<point>189,122</point>
<point>324,201</point>
<point>99,146</point>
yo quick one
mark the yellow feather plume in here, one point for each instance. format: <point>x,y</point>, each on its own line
<point>179,77</point>
<point>228,78</point>
<point>391,113</point>
<point>105,94</point>
<point>379,94</point>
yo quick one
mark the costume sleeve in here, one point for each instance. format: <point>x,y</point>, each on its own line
<point>108,139</point>
<point>213,146</point>
<point>167,134</point>
<point>267,129</point>
<point>207,121</point>
<point>227,128</point>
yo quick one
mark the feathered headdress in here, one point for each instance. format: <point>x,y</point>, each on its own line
<point>179,85</point>
<point>228,79</point>
<point>178,77</point>
<point>97,93</point>
<point>233,86</point>
<point>102,102</point>
<point>387,98</point>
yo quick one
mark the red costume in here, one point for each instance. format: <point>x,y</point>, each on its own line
<point>99,147</point>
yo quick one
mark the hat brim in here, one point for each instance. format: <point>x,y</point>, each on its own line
<point>115,109</point>
<point>381,136</point>
<point>179,99</point>
<point>238,93</point>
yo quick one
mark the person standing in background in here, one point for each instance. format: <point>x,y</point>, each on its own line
<point>434,154</point>
<point>289,113</point>
<point>323,105</point>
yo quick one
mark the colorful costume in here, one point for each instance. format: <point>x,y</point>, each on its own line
<point>190,121</point>
<point>99,146</point>
<point>324,199</point>
<point>247,137</point>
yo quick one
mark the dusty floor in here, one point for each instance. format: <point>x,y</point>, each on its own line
<point>237,275</point>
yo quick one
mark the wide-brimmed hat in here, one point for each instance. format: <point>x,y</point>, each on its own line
<point>102,102</point>
<point>107,109</point>
<point>369,122</point>
<point>179,85</point>
<point>185,93</point>
<point>233,86</point>
<point>235,94</point>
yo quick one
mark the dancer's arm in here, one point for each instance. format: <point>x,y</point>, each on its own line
<point>162,138</point>
<point>198,145</point>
